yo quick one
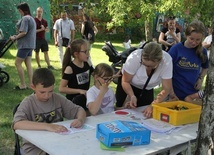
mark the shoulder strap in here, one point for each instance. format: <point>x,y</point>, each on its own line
<point>61,28</point>
<point>147,81</point>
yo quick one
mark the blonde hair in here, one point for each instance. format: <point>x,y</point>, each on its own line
<point>152,52</point>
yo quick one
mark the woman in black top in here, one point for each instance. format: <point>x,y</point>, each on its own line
<point>88,29</point>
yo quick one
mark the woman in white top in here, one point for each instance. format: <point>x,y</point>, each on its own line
<point>135,72</point>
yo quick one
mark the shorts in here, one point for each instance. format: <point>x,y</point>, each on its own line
<point>41,44</point>
<point>24,53</point>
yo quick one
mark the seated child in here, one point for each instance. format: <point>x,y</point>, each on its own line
<point>44,107</point>
<point>100,97</point>
<point>127,43</point>
<point>195,98</point>
<point>169,37</point>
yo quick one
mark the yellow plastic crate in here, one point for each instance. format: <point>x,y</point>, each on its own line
<point>162,111</point>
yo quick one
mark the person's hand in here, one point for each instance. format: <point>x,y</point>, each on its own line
<point>117,75</point>
<point>56,128</point>
<point>173,97</point>
<point>42,27</point>
<point>133,102</point>
<point>56,43</point>
<point>104,87</point>
<point>160,97</point>
<point>198,84</point>
<point>148,111</point>
<point>77,123</point>
<point>82,91</point>
<point>13,37</point>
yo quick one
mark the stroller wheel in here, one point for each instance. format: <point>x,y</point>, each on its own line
<point>1,82</point>
<point>4,76</point>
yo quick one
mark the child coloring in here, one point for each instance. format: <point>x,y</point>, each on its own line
<point>44,107</point>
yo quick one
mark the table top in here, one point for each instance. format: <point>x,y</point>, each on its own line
<point>85,143</point>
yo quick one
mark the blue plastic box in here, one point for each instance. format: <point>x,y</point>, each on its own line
<point>121,133</point>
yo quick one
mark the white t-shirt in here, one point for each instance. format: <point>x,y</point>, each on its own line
<point>108,101</point>
<point>134,67</point>
<point>208,40</point>
<point>67,25</point>
<point>127,45</point>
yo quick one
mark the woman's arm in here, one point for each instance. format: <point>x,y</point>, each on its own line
<point>95,30</point>
<point>82,29</point>
<point>177,37</point>
<point>166,90</point>
<point>160,40</point>
<point>126,79</point>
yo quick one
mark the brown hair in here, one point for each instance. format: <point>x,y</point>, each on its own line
<point>103,70</point>
<point>75,46</point>
<point>44,77</point>
<point>197,27</point>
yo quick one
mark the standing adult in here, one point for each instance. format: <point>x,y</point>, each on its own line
<point>26,40</point>
<point>143,70</point>
<point>41,42</point>
<point>190,62</point>
<point>169,35</point>
<point>88,30</point>
<point>63,28</point>
<point>208,40</point>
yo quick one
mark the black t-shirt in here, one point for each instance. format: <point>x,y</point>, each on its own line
<point>89,31</point>
<point>79,79</point>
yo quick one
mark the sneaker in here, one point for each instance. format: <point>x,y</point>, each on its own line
<point>51,67</point>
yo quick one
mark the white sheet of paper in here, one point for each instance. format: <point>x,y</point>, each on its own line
<point>160,126</point>
<point>71,130</point>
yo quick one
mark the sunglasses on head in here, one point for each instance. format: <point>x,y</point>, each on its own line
<point>172,17</point>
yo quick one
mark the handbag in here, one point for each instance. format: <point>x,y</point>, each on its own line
<point>65,41</point>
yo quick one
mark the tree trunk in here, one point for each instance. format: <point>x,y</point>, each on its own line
<point>205,137</point>
<point>148,30</point>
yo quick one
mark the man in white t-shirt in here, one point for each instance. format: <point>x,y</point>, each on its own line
<point>207,41</point>
<point>63,28</point>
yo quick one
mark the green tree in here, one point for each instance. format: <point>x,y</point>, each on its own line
<point>123,12</point>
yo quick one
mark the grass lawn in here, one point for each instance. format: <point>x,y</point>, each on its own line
<point>9,98</point>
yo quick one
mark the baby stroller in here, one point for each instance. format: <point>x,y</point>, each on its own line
<point>4,46</point>
<point>117,59</point>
